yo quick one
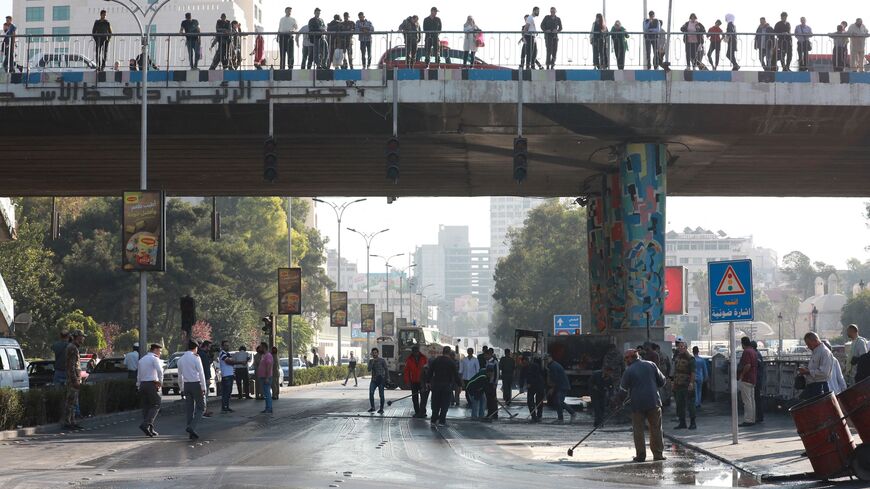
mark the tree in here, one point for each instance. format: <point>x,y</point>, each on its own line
<point>201,330</point>
<point>857,311</point>
<point>94,340</point>
<point>799,272</point>
<point>110,331</point>
<point>545,272</point>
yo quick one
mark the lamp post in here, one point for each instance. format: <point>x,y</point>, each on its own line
<point>423,289</point>
<point>144,20</point>
<point>368,237</point>
<point>387,266</point>
<point>779,317</point>
<point>339,212</point>
<point>401,294</point>
<point>426,307</point>
<point>815,314</point>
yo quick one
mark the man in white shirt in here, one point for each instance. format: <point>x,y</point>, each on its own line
<point>192,379</point>
<point>468,368</point>
<point>240,372</point>
<point>286,27</point>
<point>854,352</point>
<point>530,31</point>
<point>818,371</point>
<point>226,364</point>
<point>131,361</point>
<point>149,379</point>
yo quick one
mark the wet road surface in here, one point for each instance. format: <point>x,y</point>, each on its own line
<point>322,437</point>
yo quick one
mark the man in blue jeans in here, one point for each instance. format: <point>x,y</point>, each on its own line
<point>225,360</point>
<point>378,369</point>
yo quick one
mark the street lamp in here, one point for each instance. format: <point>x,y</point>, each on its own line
<point>815,317</point>
<point>144,20</point>
<point>368,239</point>
<point>401,295</point>
<point>387,265</point>
<point>426,307</point>
<point>420,293</point>
<point>339,212</point>
<point>779,317</point>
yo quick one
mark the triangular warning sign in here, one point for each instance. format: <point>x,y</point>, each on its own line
<point>730,284</point>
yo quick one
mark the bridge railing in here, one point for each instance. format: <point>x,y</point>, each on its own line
<point>575,50</point>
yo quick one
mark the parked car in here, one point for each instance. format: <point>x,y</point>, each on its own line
<point>450,59</point>
<point>108,369</point>
<point>170,376</point>
<point>40,373</point>
<point>298,364</point>
<point>60,62</point>
<point>13,373</point>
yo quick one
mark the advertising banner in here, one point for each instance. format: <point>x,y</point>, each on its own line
<point>388,327</point>
<point>144,233</point>
<point>401,322</point>
<point>338,309</point>
<point>676,290</point>
<point>367,318</point>
<point>289,291</point>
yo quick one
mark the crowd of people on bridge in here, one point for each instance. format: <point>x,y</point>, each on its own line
<point>332,45</point>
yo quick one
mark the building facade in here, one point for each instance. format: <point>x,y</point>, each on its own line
<point>506,213</point>
<point>7,232</point>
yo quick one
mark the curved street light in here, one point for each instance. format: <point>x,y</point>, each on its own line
<point>387,264</point>
<point>368,237</point>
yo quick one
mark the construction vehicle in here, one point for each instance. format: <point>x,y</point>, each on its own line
<point>395,350</point>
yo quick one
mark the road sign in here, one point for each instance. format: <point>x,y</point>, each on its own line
<point>730,286</point>
<point>566,324</point>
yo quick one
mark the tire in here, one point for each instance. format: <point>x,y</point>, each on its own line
<point>165,391</point>
<point>860,463</point>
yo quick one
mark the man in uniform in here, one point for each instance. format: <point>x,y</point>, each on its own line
<point>73,379</point>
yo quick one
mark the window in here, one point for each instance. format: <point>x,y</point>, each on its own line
<point>684,261</point>
<point>60,12</point>
<point>724,246</point>
<point>682,246</point>
<point>35,14</point>
<point>35,31</point>
<point>15,360</point>
<point>60,31</point>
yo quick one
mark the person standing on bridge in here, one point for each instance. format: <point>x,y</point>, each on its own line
<point>530,31</point>
<point>642,380</point>
<point>102,33</point>
<point>287,28</point>
<point>440,376</point>
<point>378,371</point>
<point>470,43</point>
<point>410,29</point>
<point>8,45</point>
<point>223,30</point>
<point>190,29</point>
<point>714,34</point>
<point>191,379</point>
<point>600,41</point>
<point>692,40</point>
<point>765,42</point>
<point>783,42</point>
<point>364,29</point>
<point>840,55</point>
<point>348,28</point>
<point>431,30</point>
<point>149,381</point>
<point>803,33</point>
<point>620,44</point>
<point>731,42</point>
<point>857,36</point>
<point>652,28</point>
<point>551,26</point>
<point>318,54</point>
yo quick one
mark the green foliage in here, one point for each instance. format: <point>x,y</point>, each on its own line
<point>314,375</point>
<point>11,408</point>
<point>545,273</point>
<point>857,311</point>
<point>41,406</point>
<point>76,319</point>
<point>124,341</point>
<point>801,273</point>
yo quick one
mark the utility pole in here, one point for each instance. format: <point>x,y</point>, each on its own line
<point>368,239</point>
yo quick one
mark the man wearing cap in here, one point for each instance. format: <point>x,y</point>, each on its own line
<point>642,380</point>
<point>73,379</point>
<point>149,380</point>
<point>131,361</point>
<point>684,383</point>
<point>432,28</point>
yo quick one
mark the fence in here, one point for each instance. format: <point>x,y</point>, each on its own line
<point>575,50</point>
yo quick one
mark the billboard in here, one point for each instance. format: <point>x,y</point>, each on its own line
<point>289,291</point>
<point>676,290</point>
<point>388,327</point>
<point>338,309</point>
<point>367,318</point>
<point>144,232</point>
<point>401,322</point>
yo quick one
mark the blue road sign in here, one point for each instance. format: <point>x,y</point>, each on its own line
<point>566,324</point>
<point>730,291</point>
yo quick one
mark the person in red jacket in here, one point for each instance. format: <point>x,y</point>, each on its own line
<point>413,374</point>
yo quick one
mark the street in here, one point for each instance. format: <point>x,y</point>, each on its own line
<point>323,437</point>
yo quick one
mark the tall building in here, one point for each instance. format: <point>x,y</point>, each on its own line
<point>506,213</point>
<point>7,232</point>
<point>348,270</point>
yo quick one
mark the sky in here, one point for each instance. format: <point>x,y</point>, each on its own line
<point>825,229</point>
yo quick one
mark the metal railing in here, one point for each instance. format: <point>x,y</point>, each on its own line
<point>576,50</point>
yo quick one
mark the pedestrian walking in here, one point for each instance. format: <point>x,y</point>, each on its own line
<point>551,26</point>
<point>530,32</point>
<point>506,367</point>
<point>701,375</point>
<point>241,359</point>
<point>619,38</point>
<point>190,29</point>
<point>642,380</point>
<point>431,30</point>
<point>536,387</point>
<point>276,374</point>
<point>652,28</point>
<point>8,45</point>
<point>836,380</point>
<point>857,37</point>
<point>818,371</point>
<point>206,357</point>
<point>226,364</point>
<point>413,375</point>
<point>351,370</point>
<point>765,43</point>
<point>468,368</point>
<point>783,41</point>
<point>840,56</point>
<point>59,350</point>
<point>318,55</point>
<point>223,30</point>
<point>235,45</point>
<point>364,29</point>
<point>714,35</point>
<point>684,381</point>
<point>440,376</point>
<point>747,376</point>
<point>857,348</point>
<point>559,386</point>
<point>457,387</point>
<point>692,40</point>
<point>287,28</point>
<point>803,34</point>
<point>731,42</point>
<point>73,379</point>
<point>131,361</point>
<point>761,378</point>
<point>378,371</point>
<point>149,381</point>
<point>348,27</point>
<point>315,358</point>
<point>470,43</point>
<point>102,34</point>
<point>600,43</point>
<point>491,369</point>
<point>191,378</point>
<point>264,373</point>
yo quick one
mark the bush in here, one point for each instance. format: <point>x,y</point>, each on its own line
<point>11,409</point>
<point>322,373</point>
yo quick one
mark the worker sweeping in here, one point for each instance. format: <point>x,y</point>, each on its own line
<point>642,379</point>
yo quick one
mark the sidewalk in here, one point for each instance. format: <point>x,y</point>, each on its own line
<point>771,448</point>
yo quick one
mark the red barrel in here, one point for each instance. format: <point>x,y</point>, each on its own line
<point>824,433</point>
<point>856,405</point>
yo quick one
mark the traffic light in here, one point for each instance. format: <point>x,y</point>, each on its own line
<point>521,159</point>
<point>188,313</point>
<point>270,160</point>
<point>392,153</point>
<point>268,328</point>
<point>267,325</point>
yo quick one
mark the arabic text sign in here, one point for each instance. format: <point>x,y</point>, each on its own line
<point>566,324</point>
<point>730,285</point>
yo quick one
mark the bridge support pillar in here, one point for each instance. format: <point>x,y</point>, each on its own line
<point>626,237</point>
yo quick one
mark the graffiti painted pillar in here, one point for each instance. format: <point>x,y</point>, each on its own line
<point>626,226</point>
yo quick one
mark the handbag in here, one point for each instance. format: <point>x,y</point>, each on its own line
<point>800,382</point>
<point>478,40</point>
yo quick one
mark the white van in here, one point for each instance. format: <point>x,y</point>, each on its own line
<point>13,368</point>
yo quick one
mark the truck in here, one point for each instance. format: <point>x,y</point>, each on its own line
<point>395,350</point>
<point>581,354</point>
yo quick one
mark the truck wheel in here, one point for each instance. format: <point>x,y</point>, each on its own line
<point>861,462</point>
<point>165,391</point>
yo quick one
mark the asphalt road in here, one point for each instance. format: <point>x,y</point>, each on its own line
<point>322,437</point>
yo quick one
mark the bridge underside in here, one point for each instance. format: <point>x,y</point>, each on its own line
<point>446,149</point>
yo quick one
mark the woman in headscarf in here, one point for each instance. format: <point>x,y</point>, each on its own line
<point>731,42</point>
<point>600,44</point>
<point>620,44</point>
<point>470,45</point>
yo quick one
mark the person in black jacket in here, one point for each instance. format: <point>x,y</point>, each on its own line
<point>432,28</point>
<point>863,369</point>
<point>440,378</point>
<point>551,26</point>
<point>411,31</point>
<point>223,29</point>
<point>783,42</point>
<point>535,387</point>
<point>102,33</point>
<point>318,49</point>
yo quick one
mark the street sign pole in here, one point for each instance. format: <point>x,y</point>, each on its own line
<point>732,344</point>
